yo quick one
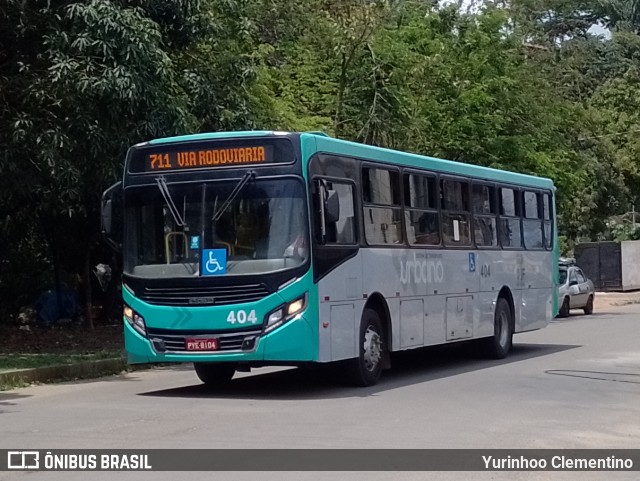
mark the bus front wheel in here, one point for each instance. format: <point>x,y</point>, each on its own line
<point>499,345</point>
<point>365,369</point>
<point>213,373</point>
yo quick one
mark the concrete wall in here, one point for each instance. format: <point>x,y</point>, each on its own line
<point>630,253</point>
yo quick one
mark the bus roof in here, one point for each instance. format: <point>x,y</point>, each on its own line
<point>324,143</point>
<point>215,135</point>
<point>362,151</point>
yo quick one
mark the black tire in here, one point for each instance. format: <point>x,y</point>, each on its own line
<point>565,308</point>
<point>214,373</point>
<point>365,370</point>
<point>499,345</point>
<point>588,308</point>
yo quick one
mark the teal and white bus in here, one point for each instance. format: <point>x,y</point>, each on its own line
<point>247,249</point>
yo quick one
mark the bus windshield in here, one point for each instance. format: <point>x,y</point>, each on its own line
<point>262,227</point>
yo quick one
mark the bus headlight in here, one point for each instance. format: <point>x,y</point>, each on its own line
<point>296,306</point>
<point>135,320</point>
<point>285,313</point>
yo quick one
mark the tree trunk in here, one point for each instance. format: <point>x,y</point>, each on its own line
<point>57,284</point>
<point>87,288</point>
<point>337,122</point>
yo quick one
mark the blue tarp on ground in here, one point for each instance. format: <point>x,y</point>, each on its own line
<point>48,310</point>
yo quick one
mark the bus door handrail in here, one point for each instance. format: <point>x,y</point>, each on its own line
<point>168,236</point>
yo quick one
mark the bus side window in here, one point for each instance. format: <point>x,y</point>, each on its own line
<point>548,225</point>
<point>382,211</point>
<point>510,212</point>
<point>454,196</point>
<point>532,221</point>
<point>421,209</point>
<point>483,202</point>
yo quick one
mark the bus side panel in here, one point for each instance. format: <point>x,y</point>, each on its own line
<point>497,269</point>
<point>340,309</point>
<point>446,281</point>
<point>457,290</point>
<point>528,275</point>
<point>537,290</point>
<point>380,273</point>
<point>556,258</point>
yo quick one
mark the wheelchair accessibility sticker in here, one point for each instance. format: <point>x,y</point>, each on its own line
<point>214,262</point>
<point>472,261</point>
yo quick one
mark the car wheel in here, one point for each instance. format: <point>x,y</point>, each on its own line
<point>499,345</point>
<point>588,308</point>
<point>564,309</point>
<point>365,370</point>
<point>214,373</point>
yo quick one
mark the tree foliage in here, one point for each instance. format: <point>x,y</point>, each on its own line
<point>538,86</point>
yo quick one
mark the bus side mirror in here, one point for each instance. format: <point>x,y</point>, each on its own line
<point>111,216</point>
<point>332,207</point>
<point>107,216</point>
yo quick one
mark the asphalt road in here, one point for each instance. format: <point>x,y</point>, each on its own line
<point>575,384</point>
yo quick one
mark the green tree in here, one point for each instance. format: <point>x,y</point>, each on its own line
<point>93,78</point>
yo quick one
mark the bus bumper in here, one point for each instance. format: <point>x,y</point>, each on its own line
<point>292,342</point>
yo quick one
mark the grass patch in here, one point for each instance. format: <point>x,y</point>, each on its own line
<point>13,382</point>
<point>83,367</point>
<point>27,361</point>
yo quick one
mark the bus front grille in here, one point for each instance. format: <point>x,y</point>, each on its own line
<point>175,341</point>
<point>204,296</point>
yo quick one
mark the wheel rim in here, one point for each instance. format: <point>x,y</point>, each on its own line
<point>372,349</point>
<point>503,329</point>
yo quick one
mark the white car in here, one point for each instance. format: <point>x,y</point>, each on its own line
<point>575,290</point>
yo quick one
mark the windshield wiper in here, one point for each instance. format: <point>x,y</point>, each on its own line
<point>234,193</point>
<point>164,190</point>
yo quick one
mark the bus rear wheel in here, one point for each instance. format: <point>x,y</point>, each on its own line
<point>499,345</point>
<point>213,373</point>
<point>365,370</point>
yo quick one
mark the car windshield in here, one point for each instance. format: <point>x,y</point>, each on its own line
<point>563,276</point>
<point>261,228</point>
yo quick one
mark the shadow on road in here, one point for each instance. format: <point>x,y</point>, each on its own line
<point>577,316</point>
<point>412,367</point>
<point>7,398</point>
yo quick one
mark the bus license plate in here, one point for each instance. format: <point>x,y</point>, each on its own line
<point>208,344</point>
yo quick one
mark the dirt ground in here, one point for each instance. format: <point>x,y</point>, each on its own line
<point>613,299</point>
<point>62,340</point>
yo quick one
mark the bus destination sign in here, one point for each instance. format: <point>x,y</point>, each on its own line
<point>203,158</point>
<point>209,154</point>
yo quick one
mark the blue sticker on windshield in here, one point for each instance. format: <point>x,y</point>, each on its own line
<point>472,261</point>
<point>214,262</point>
<point>195,242</point>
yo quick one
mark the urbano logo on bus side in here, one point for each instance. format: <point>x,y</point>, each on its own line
<point>421,270</point>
